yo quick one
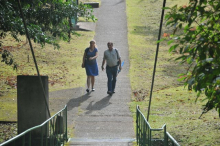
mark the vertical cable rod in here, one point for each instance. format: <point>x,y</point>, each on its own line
<point>155,62</point>
<point>32,51</point>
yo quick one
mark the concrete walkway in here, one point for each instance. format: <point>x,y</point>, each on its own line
<point>97,118</point>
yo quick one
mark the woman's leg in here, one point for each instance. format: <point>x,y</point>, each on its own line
<point>93,81</point>
<point>88,81</point>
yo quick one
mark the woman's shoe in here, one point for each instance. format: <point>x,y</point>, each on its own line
<point>87,90</point>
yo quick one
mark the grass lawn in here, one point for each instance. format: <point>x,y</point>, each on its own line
<point>171,103</point>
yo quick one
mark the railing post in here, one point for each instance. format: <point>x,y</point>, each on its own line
<point>47,134</point>
<point>144,133</point>
<point>150,137</point>
<point>141,129</point>
<point>60,125</point>
<point>165,136</point>
<point>23,140</point>
<point>148,134</point>
<point>56,131</point>
<point>29,138</point>
<point>50,133</point>
<point>137,118</point>
<point>41,136</point>
<point>66,123</point>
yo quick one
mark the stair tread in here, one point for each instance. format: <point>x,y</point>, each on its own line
<point>101,140</point>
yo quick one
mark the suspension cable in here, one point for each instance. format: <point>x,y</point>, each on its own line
<point>32,51</point>
<point>155,62</point>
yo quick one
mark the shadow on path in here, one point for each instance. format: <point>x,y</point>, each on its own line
<point>121,1</point>
<point>98,105</point>
<point>75,102</point>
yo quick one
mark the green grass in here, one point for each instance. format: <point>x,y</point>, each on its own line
<point>171,103</point>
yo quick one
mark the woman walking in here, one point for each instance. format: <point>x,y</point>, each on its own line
<point>90,64</point>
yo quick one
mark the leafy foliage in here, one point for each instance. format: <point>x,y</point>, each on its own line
<point>47,20</point>
<point>196,37</point>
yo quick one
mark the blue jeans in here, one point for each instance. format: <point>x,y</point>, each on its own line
<point>111,74</point>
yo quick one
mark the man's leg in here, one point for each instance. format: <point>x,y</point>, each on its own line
<point>109,75</point>
<point>114,74</point>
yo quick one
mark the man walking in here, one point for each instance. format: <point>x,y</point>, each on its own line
<point>113,60</point>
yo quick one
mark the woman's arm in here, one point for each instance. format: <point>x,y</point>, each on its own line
<point>94,57</point>
<point>83,60</point>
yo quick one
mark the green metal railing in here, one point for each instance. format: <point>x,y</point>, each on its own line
<point>147,136</point>
<point>53,132</point>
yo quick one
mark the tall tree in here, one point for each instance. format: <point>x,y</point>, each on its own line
<point>196,37</point>
<point>47,21</point>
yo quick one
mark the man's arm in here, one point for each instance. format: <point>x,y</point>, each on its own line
<point>119,59</point>
<point>103,63</point>
<point>120,63</point>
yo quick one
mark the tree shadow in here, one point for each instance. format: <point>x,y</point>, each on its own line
<point>98,105</point>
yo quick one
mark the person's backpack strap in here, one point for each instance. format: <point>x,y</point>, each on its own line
<point>117,53</point>
<point>87,50</point>
<point>117,57</point>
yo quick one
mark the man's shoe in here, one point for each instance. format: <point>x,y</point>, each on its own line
<point>93,89</point>
<point>87,90</point>
<point>109,92</point>
<point>113,92</point>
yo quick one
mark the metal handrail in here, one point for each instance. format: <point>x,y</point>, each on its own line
<point>144,133</point>
<point>40,126</point>
<point>143,116</point>
<point>172,139</point>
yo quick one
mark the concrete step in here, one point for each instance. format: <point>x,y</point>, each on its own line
<point>100,142</point>
<point>92,4</point>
